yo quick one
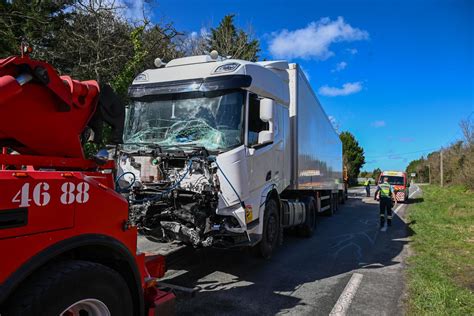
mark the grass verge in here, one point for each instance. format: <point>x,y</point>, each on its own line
<point>441,270</point>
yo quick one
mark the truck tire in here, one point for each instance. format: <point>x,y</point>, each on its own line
<point>271,230</point>
<point>72,287</point>
<point>307,229</point>
<point>330,211</point>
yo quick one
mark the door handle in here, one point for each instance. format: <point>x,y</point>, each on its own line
<point>269,176</point>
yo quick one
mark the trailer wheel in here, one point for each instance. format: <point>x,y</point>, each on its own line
<point>271,230</point>
<point>72,288</point>
<point>307,229</point>
<point>330,211</point>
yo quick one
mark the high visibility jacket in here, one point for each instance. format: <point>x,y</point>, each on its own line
<point>385,190</point>
<point>367,183</point>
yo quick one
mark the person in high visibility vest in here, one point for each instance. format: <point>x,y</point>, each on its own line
<point>367,187</point>
<point>385,193</point>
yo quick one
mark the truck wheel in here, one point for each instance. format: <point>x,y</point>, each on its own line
<point>307,229</point>
<point>330,211</point>
<point>72,288</point>
<point>271,230</point>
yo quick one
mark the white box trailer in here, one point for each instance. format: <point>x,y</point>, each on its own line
<point>316,148</point>
<point>225,152</point>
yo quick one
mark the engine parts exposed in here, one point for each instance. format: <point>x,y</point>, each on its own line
<point>173,195</point>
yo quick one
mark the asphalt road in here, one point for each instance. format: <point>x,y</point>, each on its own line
<point>348,267</point>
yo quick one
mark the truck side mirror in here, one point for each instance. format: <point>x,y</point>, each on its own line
<point>266,110</point>
<point>266,115</point>
<point>265,137</point>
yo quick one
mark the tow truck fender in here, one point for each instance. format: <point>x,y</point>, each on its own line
<point>71,244</point>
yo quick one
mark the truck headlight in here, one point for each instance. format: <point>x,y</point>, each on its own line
<point>227,68</point>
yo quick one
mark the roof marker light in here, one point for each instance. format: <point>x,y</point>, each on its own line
<point>159,63</point>
<point>214,54</point>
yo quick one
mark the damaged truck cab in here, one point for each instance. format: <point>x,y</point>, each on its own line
<point>207,157</point>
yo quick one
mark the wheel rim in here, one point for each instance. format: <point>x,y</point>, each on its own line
<point>271,229</point>
<point>87,307</point>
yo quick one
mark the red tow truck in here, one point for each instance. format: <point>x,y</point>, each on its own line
<point>66,247</point>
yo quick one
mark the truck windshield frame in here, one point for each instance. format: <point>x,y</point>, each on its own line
<point>214,120</point>
<point>394,180</point>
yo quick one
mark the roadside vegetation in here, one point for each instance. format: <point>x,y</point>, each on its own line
<point>441,270</point>
<point>458,161</point>
<point>353,156</point>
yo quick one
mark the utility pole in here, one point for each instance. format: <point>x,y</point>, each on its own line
<point>441,167</point>
<point>429,173</point>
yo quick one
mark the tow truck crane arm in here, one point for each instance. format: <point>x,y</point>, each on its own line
<point>59,212</point>
<point>42,113</point>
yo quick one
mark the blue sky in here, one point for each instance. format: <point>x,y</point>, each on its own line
<point>399,75</point>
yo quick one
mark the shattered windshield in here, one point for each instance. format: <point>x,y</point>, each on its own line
<point>212,120</point>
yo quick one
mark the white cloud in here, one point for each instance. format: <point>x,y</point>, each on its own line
<point>314,40</point>
<point>378,124</point>
<point>340,66</point>
<point>346,89</point>
<point>352,51</point>
<point>135,8</point>
<point>203,32</point>
<point>132,10</point>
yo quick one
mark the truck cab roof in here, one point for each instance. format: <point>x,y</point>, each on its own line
<point>266,78</point>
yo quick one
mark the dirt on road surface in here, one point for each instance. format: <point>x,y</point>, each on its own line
<point>349,267</point>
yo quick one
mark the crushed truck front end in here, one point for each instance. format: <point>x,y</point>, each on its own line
<point>190,158</point>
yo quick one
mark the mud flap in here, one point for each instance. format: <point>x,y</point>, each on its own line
<point>164,304</point>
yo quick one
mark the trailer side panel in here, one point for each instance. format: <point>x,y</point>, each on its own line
<point>317,149</point>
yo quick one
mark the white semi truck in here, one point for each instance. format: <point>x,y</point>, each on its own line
<point>227,153</point>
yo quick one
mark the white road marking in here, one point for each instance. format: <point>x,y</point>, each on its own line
<point>397,209</point>
<point>413,193</point>
<point>345,300</point>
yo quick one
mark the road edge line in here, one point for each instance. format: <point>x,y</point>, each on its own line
<point>346,297</point>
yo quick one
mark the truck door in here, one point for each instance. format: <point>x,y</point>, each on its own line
<point>261,158</point>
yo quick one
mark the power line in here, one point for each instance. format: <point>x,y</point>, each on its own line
<point>401,154</point>
<point>454,139</point>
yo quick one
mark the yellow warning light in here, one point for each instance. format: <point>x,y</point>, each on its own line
<point>20,174</point>
<point>248,214</point>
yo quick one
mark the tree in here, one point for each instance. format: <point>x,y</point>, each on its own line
<point>420,168</point>
<point>376,173</point>
<point>86,39</point>
<point>230,41</point>
<point>458,161</point>
<point>195,43</point>
<point>353,155</point>
<point>35,21</point>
